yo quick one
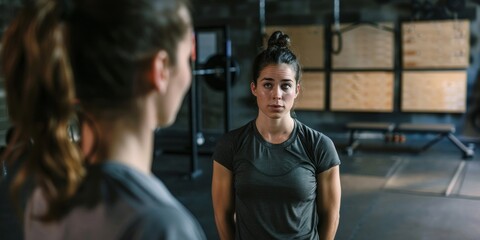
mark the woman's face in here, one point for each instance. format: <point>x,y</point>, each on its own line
<point>276,90</point>
<point>180,78</point>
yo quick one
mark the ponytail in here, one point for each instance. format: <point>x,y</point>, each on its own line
<point>41,101</point>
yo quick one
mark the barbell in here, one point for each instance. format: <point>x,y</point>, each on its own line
<point>214,71</point>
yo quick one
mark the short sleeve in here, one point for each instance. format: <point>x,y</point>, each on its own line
<point>326,154</point>
<point>223,152</point>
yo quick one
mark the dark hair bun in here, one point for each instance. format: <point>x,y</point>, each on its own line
<point>279,39</point>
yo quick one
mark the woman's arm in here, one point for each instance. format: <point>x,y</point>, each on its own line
<point>223,201</point>
<point>328,202</point>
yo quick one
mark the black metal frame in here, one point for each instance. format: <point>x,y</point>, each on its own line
<point>468,151</point>
<point>354,142</point>
<point>195,100</point>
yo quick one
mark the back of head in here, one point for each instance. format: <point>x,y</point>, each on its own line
<point>113,40</point>
<point>57,53</point>
<point>277,52</point>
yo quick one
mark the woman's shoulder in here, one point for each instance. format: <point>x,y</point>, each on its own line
<point>141,198</point>
<point>170,223</point>
<point>128,183</point>
<point>156,211</point>
<point>320,147</point>
<point>113,209</point>
<point>239,132</point>
<point>308,131</point>
<point>121,188</point>
<point>313,136</point>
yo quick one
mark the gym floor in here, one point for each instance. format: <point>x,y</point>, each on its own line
<point>388,192</point>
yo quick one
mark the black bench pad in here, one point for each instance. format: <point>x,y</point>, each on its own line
<point>370,126</point>
<point>425,128</point>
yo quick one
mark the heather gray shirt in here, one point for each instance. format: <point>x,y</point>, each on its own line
<point>275,184</point>
<point>116,202</point>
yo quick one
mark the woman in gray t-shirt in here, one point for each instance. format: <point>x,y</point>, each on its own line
<point>122,67</point>
<point>276,178</point>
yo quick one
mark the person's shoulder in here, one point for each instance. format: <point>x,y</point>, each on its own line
<point>312,135</point>
<point>246,127</point>
<point>308,131</point>
<point>165,222</point>
<point>143,200</point>
<point>112,183</point>
<point>238,132</point>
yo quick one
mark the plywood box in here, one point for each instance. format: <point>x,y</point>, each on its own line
<point>436,44</point>
<point>362,91</point>
<point>364,46</point>
<point>307,42</point>
<point>440,91</point>
<point>312,93</point>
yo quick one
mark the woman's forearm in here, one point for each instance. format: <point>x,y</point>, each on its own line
<point>225,226</point>
<point>328,224</point>
<point>328,203</point>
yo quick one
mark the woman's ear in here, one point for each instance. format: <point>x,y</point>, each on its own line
<point>253,89</point>
<point>297,90</point>
<point>160,72</point>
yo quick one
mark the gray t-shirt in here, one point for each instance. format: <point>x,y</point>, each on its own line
<point>275,184</point>
<point>116,202</point>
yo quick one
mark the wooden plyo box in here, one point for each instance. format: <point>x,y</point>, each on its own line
<point>364,47</point>
<point>439,91</point>
<point>307,43</point>
<point>362,91</point>
<point>312,93</point>
<point>436,44</point>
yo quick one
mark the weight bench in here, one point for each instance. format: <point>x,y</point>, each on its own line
<point>356,127</point>
<point>442,131</point>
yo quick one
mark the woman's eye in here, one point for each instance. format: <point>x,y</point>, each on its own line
<point>267,85</point>
<point>286,86</point>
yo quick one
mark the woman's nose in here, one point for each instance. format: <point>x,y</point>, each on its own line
<point>277,92</point>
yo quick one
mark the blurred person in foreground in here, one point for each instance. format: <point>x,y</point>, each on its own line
<point>122,67</point>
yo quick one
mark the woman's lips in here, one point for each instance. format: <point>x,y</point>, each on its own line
<point>275,106</point>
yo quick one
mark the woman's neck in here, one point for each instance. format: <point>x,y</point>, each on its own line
<point>125,141</point>
<point>275,130</point>
<point>131,147</point>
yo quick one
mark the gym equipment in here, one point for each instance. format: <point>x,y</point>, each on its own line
<point>442,131</point>
<point>337,33</point>
<point>214,71</point>
<point>213,46</point>
<point>261,20</point>
<point>356,127</point>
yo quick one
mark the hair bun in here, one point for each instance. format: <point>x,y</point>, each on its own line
<point>279,39</point>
